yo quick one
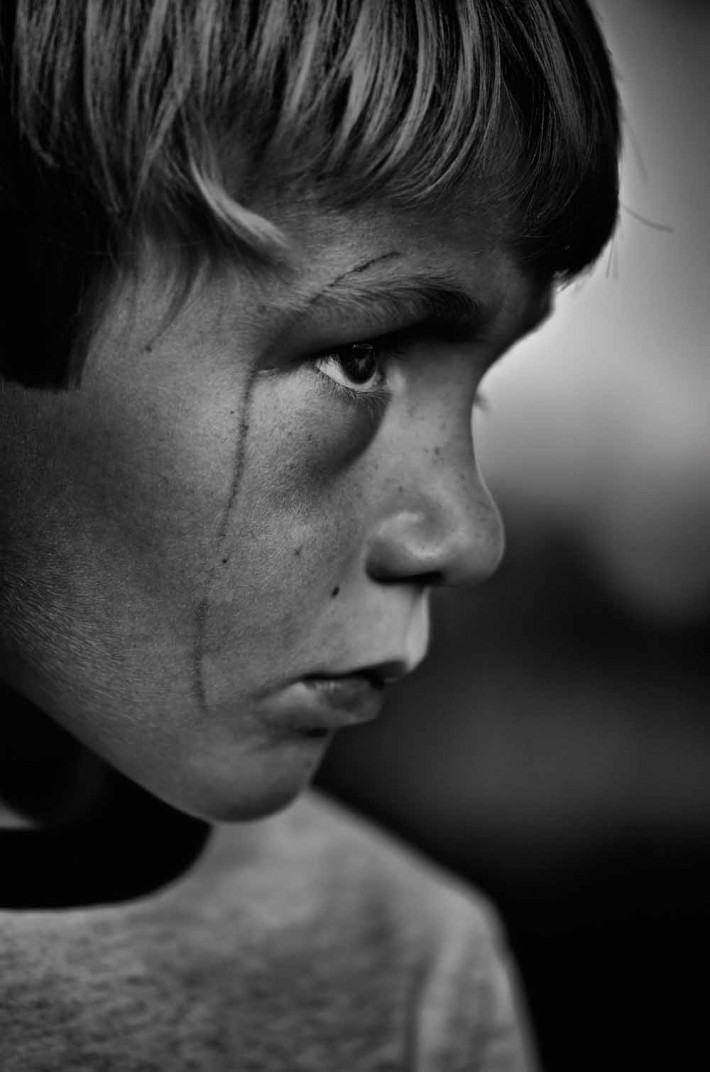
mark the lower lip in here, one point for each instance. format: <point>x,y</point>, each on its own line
<point>320,705</point>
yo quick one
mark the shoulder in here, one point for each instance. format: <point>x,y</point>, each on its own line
<point>367,890</point>
<point>349,851</point>
<point>401,922</point>
<point>319,864</point>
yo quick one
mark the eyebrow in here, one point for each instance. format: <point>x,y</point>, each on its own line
<point>436,303</point>
<point>431,302</point>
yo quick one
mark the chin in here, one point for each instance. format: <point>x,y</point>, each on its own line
<point>243,791</point>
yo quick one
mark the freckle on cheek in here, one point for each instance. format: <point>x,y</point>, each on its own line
<point>335,592</point>
<point>297,552</point>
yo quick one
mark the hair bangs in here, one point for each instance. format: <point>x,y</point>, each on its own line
<point>387,100</point>
<point>513,101</point>
<point>203,105</point>
<point>176,119</point>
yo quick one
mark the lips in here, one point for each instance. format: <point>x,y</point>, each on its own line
<point>331,698</point>
<point>350,693</point>
<point>379,674</point>
<point>325,703</point>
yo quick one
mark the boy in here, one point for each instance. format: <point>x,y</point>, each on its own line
<point>261,255</point>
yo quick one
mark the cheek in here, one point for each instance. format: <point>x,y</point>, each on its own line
<point>118,493</point>
<point>297,523</point>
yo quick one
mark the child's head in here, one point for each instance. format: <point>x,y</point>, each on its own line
<point>267,249</point>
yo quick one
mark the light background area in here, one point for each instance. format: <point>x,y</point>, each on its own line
<point>604,415</point>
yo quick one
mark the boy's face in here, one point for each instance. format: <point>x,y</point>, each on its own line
<point>215,518</point>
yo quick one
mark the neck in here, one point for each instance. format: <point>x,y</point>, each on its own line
<point>47,778</point>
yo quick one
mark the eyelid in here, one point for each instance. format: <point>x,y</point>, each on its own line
<point>399,339</point>
<point>428,330</point>
<point>398,334</point>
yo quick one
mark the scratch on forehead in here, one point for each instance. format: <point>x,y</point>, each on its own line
<point>358,269</point>
<point>366,265</point>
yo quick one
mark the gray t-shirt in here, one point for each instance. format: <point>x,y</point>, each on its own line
<point>308,942</point>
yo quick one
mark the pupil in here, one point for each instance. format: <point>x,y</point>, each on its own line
<point>360,363</point>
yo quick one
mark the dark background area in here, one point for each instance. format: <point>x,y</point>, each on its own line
<point>555,749</point>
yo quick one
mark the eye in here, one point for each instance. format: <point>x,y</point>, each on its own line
<point>356,367</point>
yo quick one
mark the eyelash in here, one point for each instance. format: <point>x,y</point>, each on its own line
<point>375,399</point>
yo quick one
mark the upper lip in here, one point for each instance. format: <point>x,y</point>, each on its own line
<point>378,674</point>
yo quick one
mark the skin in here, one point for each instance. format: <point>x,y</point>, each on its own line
<point>208,518</point>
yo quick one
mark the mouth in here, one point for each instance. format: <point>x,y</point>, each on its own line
<point>342,699</point>
<point>320,703</point>
<point>378,675</point>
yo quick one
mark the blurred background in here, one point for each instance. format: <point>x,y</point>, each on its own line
<point>555,750</point>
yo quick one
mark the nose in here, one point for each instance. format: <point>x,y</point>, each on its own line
<point>441,527</point>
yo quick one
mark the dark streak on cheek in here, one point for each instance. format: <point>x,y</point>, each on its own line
<point>220,536</point>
